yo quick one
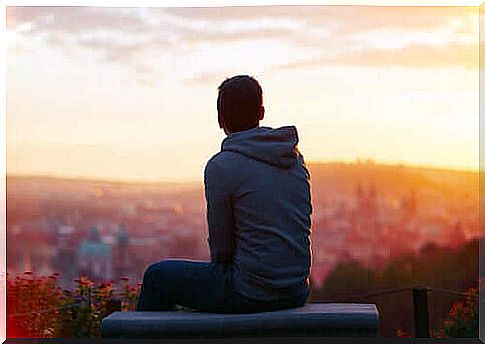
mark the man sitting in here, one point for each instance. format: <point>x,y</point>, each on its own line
<point>259,210</point>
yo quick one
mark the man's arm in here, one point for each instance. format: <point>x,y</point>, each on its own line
<point>220,218</point>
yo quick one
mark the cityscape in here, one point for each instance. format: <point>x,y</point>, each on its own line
<point>363,211</point>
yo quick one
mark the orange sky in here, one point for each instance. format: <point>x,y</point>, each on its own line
<point>129,93</point>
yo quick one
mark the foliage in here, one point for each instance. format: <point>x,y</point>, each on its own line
<point>29,300</point>
<point>358,279</point>
<point>129,295</point>
<point>38,308</point>
<point>401,333</point>
<point>434,266</point>
<point>462,322</point>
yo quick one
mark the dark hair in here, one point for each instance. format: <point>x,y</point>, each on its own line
<point>238,102</point>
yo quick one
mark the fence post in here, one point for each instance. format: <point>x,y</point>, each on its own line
<point>421,317</point>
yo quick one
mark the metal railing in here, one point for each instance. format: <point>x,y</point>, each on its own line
<point>420,305</point>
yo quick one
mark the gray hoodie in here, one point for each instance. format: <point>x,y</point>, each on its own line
<point>259,212</point>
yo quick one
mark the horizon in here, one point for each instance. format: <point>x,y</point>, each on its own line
<point>97,92</point>
<point>363,161</point>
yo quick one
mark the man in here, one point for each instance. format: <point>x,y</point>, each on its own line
<point>259,210</point>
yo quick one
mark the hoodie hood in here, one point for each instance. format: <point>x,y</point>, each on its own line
<point>277,147</point>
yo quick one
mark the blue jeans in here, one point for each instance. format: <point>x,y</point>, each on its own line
<point>203,286</point>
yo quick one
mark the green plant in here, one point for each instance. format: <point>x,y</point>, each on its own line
<point>401,333</point>
<point>129,295</point>
<point>463,320</point>
<point>37,307</point>
<point>32,305</point>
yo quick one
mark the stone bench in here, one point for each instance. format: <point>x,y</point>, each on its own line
<point>313,319</point>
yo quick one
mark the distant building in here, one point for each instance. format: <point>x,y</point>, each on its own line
<point>64,261</point>
<point>457,236</point>
<point>409,206</point>
<point>95,259</point>
<point>366,227</point>
<point>367,208</point>
<point>122,266</point>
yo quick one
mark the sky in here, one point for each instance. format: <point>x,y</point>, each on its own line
<point>130,93</point>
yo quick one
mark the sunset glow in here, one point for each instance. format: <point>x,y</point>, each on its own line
<point>130,93</point>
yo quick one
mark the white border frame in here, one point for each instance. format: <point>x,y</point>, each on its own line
<point>147,3</point>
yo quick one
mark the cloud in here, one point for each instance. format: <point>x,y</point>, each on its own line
<point>78,19</point>
<point>412,56</point>
<point>213,78</point>
<point>343,19</point>
<point>114,50</point>
<point>354,35</point>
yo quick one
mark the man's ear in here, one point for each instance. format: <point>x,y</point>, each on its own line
<point>221,125</point>
<point>221,121</point>
<point>261,112</point>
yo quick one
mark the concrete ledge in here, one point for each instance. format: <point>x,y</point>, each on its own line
<point>314,319</point>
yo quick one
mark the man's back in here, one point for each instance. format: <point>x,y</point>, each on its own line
<point>259,212</point>
<point>259,216</point>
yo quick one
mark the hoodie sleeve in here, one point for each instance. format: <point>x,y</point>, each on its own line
<point>220,219</point>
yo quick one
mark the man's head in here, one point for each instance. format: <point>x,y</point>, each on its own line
<point>239,104</point>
